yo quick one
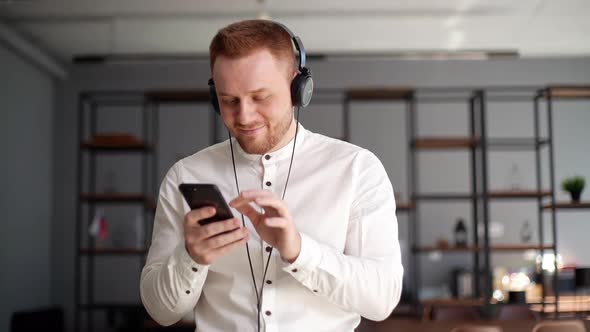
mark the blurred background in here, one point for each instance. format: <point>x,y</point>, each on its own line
<point>479,111</point>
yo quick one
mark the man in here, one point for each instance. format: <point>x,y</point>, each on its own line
<point>332,241</point>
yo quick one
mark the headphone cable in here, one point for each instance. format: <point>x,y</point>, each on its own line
<point>259,296</point>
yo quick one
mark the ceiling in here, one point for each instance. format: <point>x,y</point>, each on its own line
<point>533,28</point>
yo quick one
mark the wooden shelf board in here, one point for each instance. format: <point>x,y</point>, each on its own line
<point>573,91</point>
<point>515,142</point>
<point>115,147</point>
<point>497,247</point>
<point>499,194</point>
<point>113,197</point>
<point>453,302</point>
<point>445,142</point>
<point>405,207</point>
<point>380,93</point>
<point>105,306</point>
<point>113,251</point>
<point>178,96</point>
<point>444,196</point>
<point>567,205</point>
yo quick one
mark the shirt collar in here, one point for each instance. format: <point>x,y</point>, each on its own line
<point>280,154</point>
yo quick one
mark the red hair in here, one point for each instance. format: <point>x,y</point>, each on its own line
<point>246,37</point>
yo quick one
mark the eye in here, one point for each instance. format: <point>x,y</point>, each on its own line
<point>261,98</point>
<point>230,101</point>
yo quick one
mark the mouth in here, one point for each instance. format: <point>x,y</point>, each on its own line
<point>250,131</point>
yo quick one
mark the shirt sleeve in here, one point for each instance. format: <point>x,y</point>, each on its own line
<point>367,277</point>
<point>171,281</point>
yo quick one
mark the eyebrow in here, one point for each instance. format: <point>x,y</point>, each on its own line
<point>223,94</point>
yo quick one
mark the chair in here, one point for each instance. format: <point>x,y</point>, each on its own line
<point>560,326</point>
<point>477,328</point>
<point>454,313</point>
<point>516,312</point>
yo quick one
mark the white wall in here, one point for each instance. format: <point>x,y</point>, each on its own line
<point>379,127</point>
<point>26,147</point>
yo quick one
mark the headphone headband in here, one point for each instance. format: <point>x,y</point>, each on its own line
<point>298,45</point>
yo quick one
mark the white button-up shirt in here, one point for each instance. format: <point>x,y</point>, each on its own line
<point>342,203</point>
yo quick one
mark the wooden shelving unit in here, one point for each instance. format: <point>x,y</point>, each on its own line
<point>432,143</point>
<point>113,251</point>
<point>516,194</point>
<point>380,93</point>
<point>92,146</point>
<point>567,206</point>
<point>568,92</point>
<point>404,207</point>
<point>477,144</point>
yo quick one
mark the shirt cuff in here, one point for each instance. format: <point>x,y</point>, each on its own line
<point>308,260</point>
<point>187,267</point>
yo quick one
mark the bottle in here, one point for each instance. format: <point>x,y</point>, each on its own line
<point>526,232</point>
<point>460,233</point>
<point>514,178</point>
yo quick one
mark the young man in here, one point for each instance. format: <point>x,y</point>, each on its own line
<point>332,241</point>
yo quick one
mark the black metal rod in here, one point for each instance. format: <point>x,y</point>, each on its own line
<point>540,198</point>
<point>485,203</point>
<point>553,209</point>
<point>156,135</point>
<point>145,159</point>
<point>474,200</point>
<point>413,219</point>
<point>92,211</point>
<point>77,238</point>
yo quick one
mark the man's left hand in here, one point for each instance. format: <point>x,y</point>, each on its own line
<point>275,225</point>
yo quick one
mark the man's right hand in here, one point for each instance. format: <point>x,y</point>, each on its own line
<point>205,243</point>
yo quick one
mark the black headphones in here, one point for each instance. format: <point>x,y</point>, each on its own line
<point>301,86</point>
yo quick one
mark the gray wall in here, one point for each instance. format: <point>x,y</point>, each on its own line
<point>379,127</point>
<point>26,145</point>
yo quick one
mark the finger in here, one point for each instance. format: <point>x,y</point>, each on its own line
<point>249,211</point>
<point>222,240</point>
<point>248,196</point>
<point>276,222</point>
<point>215,228</point>
<point>192,218</point>
<point>230,246</point>
<point>274,203</point>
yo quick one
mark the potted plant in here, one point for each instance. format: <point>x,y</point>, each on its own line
<point>574,185</point>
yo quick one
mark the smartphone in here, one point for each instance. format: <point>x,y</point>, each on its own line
<point>198,195</point>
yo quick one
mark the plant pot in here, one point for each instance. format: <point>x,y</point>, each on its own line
<point>576,196</point>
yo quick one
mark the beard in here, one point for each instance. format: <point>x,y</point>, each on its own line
<point>267,140</point>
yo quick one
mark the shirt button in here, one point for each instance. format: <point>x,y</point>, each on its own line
<point>268,313</point>
<point>268,282</point>
<point>294,270</point>
<point>195,269</point>
<point>268,248</point>
<point>315,290</point>
<point>268,183</point>
<point>188,292</point>
<point>267,157</point>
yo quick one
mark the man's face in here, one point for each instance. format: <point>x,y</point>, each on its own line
<point>255,100</point>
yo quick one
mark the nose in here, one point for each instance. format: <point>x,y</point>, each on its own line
<point>246,112</point>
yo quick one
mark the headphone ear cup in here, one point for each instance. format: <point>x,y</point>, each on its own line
<point>301,90</point>
<point>213,96</point>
